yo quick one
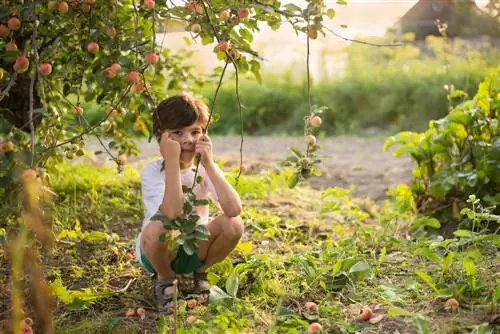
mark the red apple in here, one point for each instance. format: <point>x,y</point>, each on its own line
<point>191,7</point>
<point>314,328</point>
<point>133,76</point>
<point>311,307</point>
<point>21,65</point>
<point>141,313</point>
<point>235,54</point>
<point>315,121</point>
<point>452,305</point>
<point>311,140</point>
<point>138,87</point>
<point>115,67</point>
<point>89,1</point>
<point>11,46</point>
<point>190,319</point>
<point>223,45</point>
<point>4,31</point>
<point>78,110</point>
<point>152,58</point>
<point>243,13</point>
<point>29,174</point>
<point>93,47</point>
<point>366,313</point>
<point>14,23</point>
<point>149,4</point>
<point>191,303</point>
<point>130,313</point>
<point>8,146</point>
<point>224,15</point>
<point>45,69</point>
<point>121,159</point>
<point>63,8</point>
<point>195,28</point>
<point>111,32</point>
<point>312,33</point>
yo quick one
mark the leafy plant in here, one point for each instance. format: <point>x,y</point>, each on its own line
<point>458,156</point>
<point>187,224</point>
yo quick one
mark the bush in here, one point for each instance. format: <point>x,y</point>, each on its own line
<point>458,156</point>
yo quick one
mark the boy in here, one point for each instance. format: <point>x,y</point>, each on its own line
<point>178,125</point>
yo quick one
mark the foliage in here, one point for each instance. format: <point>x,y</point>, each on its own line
<point>458,156</point>
<point>335,257</point>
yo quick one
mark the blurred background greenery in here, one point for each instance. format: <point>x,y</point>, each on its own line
<point>380,90</point>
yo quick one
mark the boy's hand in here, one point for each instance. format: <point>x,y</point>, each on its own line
<point>204,148</point>
<point>169,148</point>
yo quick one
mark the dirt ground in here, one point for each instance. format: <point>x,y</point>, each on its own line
<point>356,161</point>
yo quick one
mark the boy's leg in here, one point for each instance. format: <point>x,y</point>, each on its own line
<point>225,233</point>
<point>159,256</point>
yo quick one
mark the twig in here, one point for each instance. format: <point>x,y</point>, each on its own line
<point>212,108</point>
<point>237,92</point>
<point>90,129</point>
<point>361,42</point>
<point>9,86</point>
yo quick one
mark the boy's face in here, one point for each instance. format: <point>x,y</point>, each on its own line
<point>187,138</point>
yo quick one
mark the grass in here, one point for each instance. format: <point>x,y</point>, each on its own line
<point>300,245</point>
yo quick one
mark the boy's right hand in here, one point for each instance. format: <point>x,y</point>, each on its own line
<point>169,148</point>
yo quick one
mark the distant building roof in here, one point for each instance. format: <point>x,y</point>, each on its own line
<point>463,18</point>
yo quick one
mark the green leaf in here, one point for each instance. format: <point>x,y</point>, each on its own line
<point>442,182</point>
<point>422,325</point>
<point>218,296</point>
<point>293,180</point>
<point>296,151</point>
<point>463,234</point>
<point>232,284</point>
<point>189,247</point>
<point>395,311</point>
<point>341,2</point>
<point>470,267</point>
<point>425,221</point>
<point>427,279</point>
<point>447,262</point>
<point>96,236</point>
<point>430,254</point>
<point>330,13</point>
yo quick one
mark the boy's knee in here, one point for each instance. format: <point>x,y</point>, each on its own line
<point>234,228</point>
<point>152,233</point>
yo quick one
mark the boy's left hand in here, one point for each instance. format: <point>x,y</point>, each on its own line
<point>204,148</point>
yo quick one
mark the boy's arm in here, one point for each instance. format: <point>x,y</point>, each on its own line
<point>173,198</point>
<point>229,199</point>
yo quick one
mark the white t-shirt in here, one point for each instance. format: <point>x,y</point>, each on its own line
<point>153,188</point>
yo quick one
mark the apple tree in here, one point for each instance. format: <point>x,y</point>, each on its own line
<point>56,55</point>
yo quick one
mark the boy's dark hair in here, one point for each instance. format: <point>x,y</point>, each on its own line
<point>177,112</point>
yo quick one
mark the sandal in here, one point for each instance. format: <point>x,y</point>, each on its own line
<point>202,287</point>
<point>164,300</point>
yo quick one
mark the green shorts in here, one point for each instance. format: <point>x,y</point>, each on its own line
<point>182,264</point>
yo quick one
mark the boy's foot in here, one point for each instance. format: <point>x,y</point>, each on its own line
<point>165,290</point>
<point>201,287</point>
